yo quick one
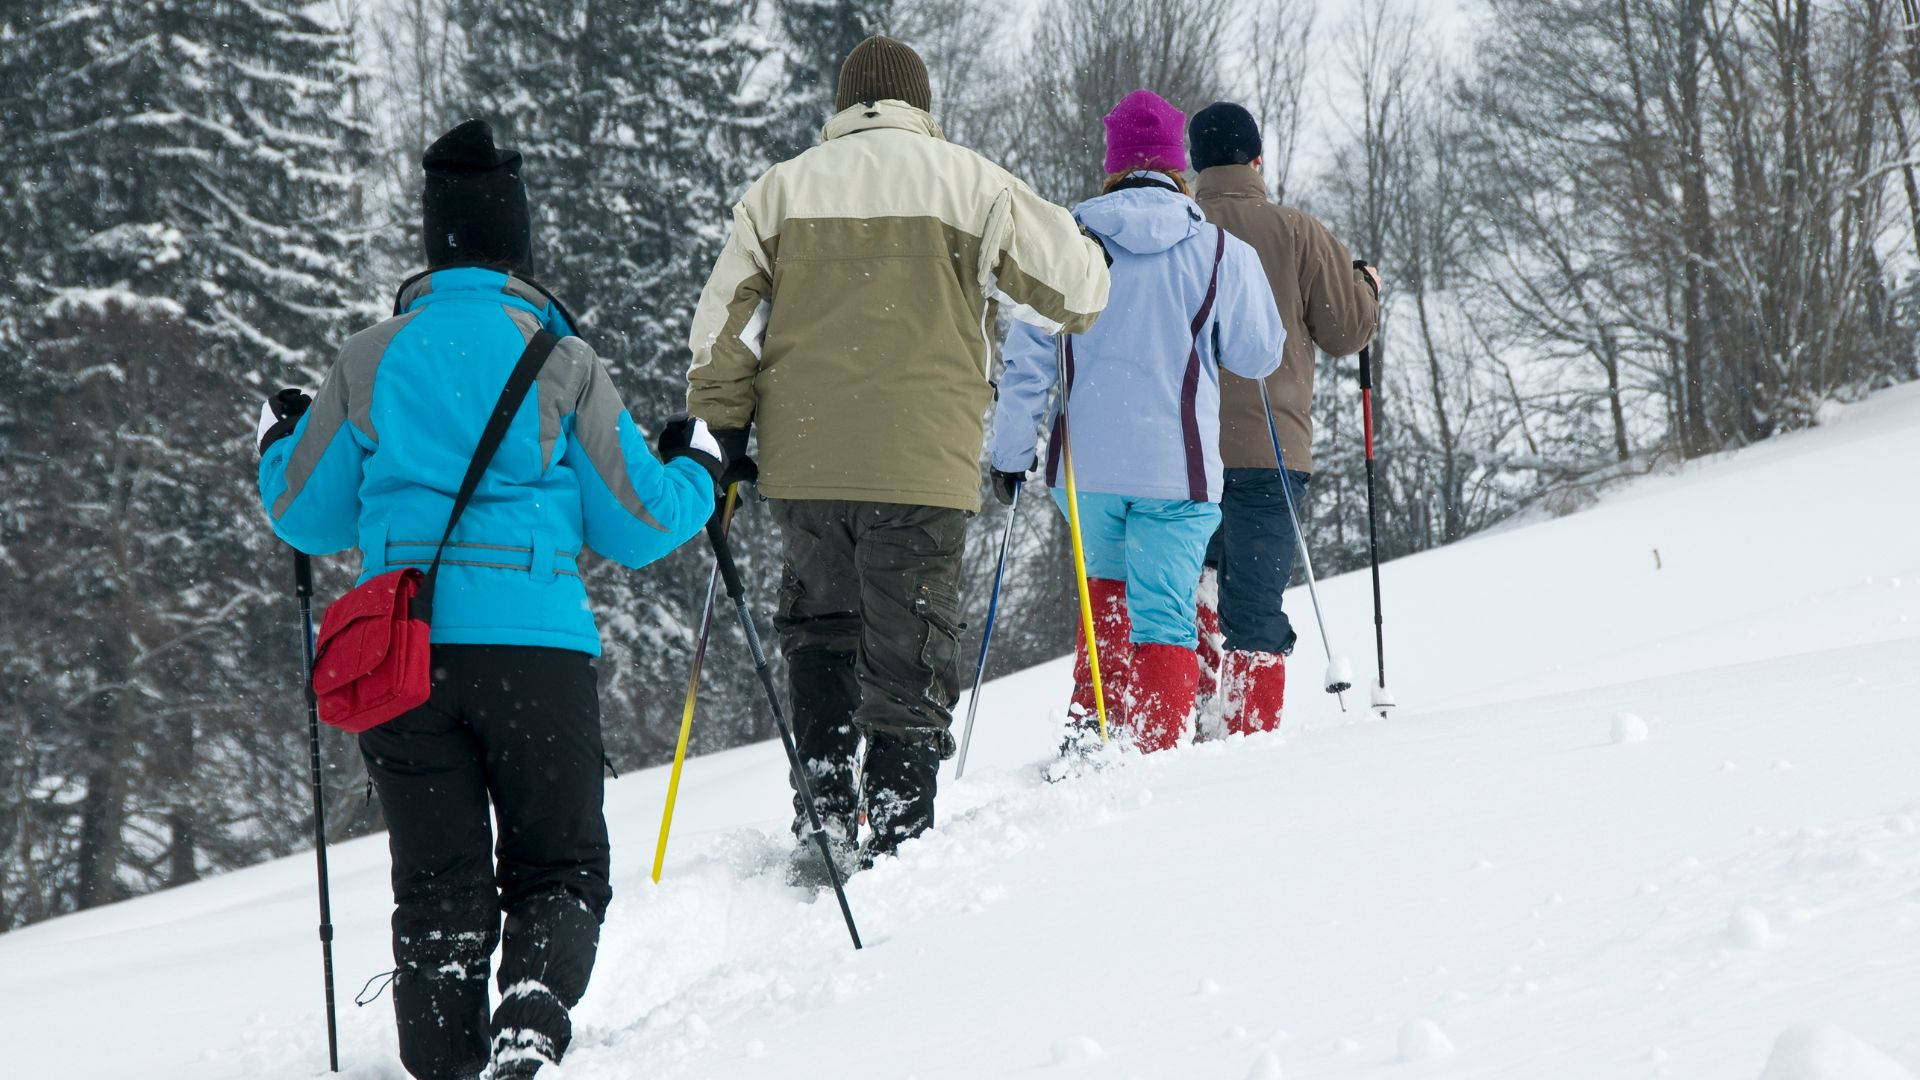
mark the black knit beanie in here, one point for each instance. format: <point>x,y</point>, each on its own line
<point>474,207</point>
<point>880,68</point>
<point>1222,134</point>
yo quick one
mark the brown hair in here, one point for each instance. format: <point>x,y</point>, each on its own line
<point>1179,180</point>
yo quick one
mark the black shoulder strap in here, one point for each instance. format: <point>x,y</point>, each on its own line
<point>504,411</point>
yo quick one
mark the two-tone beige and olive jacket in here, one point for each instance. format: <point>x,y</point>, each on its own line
<point>847,318</point>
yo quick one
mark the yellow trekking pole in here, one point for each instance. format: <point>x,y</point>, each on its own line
<point>1079,552</point>
<point>693,693</point>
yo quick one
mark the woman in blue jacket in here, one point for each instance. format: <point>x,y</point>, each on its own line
<point>1143,398</point>
<point>513,722</point>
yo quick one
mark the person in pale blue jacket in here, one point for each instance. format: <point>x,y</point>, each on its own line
<point>1142,417</point>
<point>512,729</point>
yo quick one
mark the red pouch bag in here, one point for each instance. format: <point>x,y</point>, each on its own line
<point>372,661</point>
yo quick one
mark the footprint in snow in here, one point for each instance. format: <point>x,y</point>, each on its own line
<point>1423,1040</point>
<point>1077,1050</point>
<point>1265,1067</point>
<point>1826,1052</point>
<point>1628,728</point>
<point>1747,928</point>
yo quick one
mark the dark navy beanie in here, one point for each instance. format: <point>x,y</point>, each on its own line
<point>474,207</point>
<point>1223,134</point>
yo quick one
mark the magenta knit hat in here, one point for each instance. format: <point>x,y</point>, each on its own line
<point>1144,132</point>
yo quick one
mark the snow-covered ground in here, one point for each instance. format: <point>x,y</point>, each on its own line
<point>1634,818</point>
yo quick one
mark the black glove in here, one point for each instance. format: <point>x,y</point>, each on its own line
<point>1363,266</point>
<point>280,415</point>
<point>688,437</point>
<point>740,468</point>
<point>1005,484</point>
<point>1099,243</point>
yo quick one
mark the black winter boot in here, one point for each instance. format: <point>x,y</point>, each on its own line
<point>900,781</point>
<point>551,940</point>
<point>825,695</point>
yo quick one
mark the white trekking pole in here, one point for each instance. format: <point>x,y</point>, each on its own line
<point>1339,672</point>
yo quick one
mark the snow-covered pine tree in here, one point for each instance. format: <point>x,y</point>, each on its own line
<point>180,191</point>
<point>638,136</point>
<point>816,36</point>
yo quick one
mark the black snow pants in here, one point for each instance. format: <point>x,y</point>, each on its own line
<point>517,727</point>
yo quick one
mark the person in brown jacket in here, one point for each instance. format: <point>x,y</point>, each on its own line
<point>1324,300</point>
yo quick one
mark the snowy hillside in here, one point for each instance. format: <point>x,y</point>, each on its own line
<point>1638,816</point>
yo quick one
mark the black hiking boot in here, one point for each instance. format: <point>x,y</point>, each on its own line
<point>825,694</point>
<point>898,792</point>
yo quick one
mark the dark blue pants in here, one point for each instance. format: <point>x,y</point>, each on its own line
<point>1253,551</point>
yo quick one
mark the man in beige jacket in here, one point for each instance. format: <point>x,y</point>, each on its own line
<point>1324,300</point>
<point>847,322</point>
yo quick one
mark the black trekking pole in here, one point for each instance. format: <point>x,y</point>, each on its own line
<point>737,592</point>
<point>1382,699</point>
<point>303,588</point>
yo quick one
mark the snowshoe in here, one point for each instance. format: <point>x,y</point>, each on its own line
<point>1081,751</point>
<point>807,868</point>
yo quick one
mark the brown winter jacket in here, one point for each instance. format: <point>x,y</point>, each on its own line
<point>1323,301</point>
<point>846,318</point>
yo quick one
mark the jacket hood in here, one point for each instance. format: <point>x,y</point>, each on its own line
<point>514,290</point>
<point>890,113</point>
<point>1145,221</point>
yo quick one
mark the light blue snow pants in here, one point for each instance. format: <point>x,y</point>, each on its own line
<point>1156,546</point>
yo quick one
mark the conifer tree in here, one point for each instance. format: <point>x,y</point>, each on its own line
<point>179,231</point>
<point>638,135</point>
<point>817,35</point>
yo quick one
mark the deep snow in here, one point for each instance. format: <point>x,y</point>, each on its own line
<point>1627,821</point>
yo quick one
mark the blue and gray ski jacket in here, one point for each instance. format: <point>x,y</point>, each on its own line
<point>1187,300</point>
<point>377,459</point>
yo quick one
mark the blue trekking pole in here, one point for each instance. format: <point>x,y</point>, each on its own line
<point>1339,672</point>
<point>986,636</point>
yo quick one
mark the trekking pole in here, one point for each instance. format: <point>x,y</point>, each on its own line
<point>1339,672</point>
<point>986,636</point>
<point>1079,551</point>
<point>1382,698</point>
<point>737,592</point>
<point>693,691</point>
<point>303,588</point>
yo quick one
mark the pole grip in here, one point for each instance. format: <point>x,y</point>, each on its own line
<point>302,575</point>
<point>1366,366</point>
<point>723,559</point>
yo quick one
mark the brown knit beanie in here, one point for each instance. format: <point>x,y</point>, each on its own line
<point>879,68</point>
